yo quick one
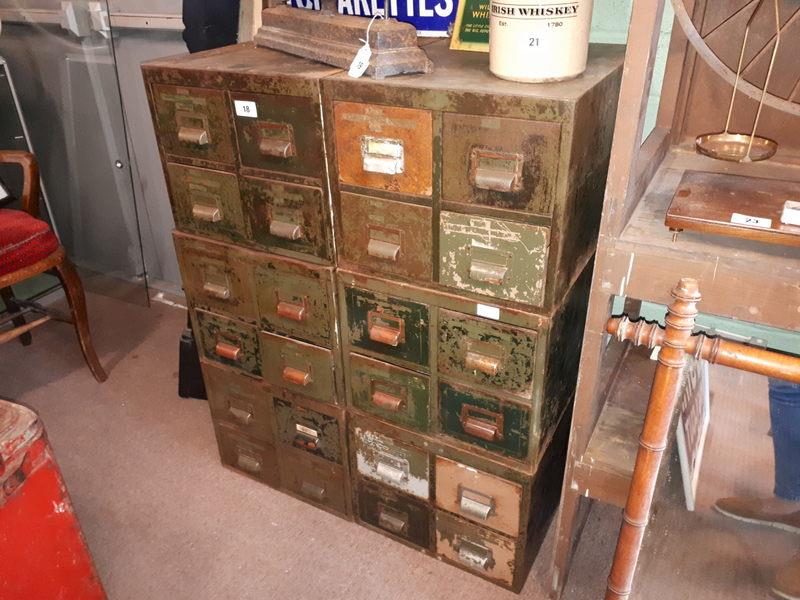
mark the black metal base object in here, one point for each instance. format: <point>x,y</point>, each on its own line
<point>331,38</point>
<point>190,376</point>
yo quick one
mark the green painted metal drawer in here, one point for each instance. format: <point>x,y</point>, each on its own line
<point>388,326</point>
<point>207,202</point>
<point>302,368</point>
<point>286,218</point>
<point>398,465</point>
<point>228,342</point>
<point>496,425</point>
<point>487,353</point>
<point>398,515</point>
<point>313,479</point>
<point>239,401</point>
<point>251,457</point>
<point>295,299</point>
<point>492,257</point>
<point>307,429</point>
<point>389,392</point>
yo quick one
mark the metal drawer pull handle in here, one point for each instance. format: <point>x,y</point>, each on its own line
<point>487,272</point>
<point>475,504</point>
<point>495,171</point>
<point>383,250</point>
<point>296,376</point>
<point>382,155</point>
<point>228,351</point>
<point>276,147</point>
<point>392,520</point>
<point>313,491</point>
<point>286,231</point>
<point>245,417</point>
<point>385,329</point>
<point>488,179</point>
<point>193,135</point>
<point>248,463</point>
<point>216,290</point>
<point>386,401</point>
<point>488,365</point>
<point>291,311</point>
<point>474,555</point>
<point>481,423</point>
<point>392,469</point>
<point>202,212</point>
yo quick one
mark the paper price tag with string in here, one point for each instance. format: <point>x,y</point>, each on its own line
<point>361,60</point>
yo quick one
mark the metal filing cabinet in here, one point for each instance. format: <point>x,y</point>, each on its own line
<point>418,378</point>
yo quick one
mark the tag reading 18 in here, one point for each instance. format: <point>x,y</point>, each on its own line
<point>245,108</point>
<point>360,62</point>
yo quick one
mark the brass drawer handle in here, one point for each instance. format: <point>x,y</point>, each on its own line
<point>474,555</point>
<point>203,212</point>
<point>276,148</point>
<point>481,423</point>
<point>276,140</point>
<point>392,520</point>
<point>382,155</point>
<point>216,290</point>
<point>489,365</point>
<point>193,135</point>
<point>385,329</point>
<point>387,401</point>
<point>475,504</point>
<point>286,231</point>
<point>312,491</point>
<point>383,250</point>
<point>291,311</point>
<point>245,417</point>
<point>486,272</point>
<point>228,351</point>
<point>248,463</point>
<point>495,171</point>
<point>296,376</point>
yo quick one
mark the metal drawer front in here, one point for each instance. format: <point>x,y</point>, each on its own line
<point>501,259</point>
<point>475,549</point>
<point>251,457</point>
<point>383,147</point>
<point>239,401</point>
<point>477,496</point>
<point>297,366</point>
<point>389,392</point>
<point>487,353</point>
<point>193,123</point>
<point>207,203</point>
<point>381,458</point>
<point>500,163</point>
<point>279,133</point>
<point>286,218</point>
<point>308,430</point>
<point>228,342</point>
<point>389,326</point>
<point>315,480</point>
<point>497,425</point>
<point>386,236</point>
<point>216,278</point>
<point>397,514</point>
<point>295,300</point>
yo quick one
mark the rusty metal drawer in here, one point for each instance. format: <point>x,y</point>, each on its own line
<point>286,218</point>
<point>502,163</point>
<point>387,236</point>
<point>309,429</point>
<point>396,514</point>
<point>391,393</point>
<point>476,549</point>
<point>496,425</point>
<point>216,277</point>
<point>228,341</point>
<point>496,258</point>
<point>279,133</point>
<point>384,147</point>
<point>207,202</point>
<point>296,299</point>
<point>299,367</point>
<point>485,499</point>
<point>239,401</point>
<point>388,326</point>
<point>251,457</point>
<point>486,353</point>
<point>313,479</point>
<point>398,465</point>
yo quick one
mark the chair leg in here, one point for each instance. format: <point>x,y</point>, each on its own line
<point>8,299</point>
<point>77,303</point>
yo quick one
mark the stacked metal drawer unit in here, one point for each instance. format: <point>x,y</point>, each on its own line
<point>465,211</point>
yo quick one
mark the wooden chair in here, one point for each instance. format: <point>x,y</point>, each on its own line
<point>29,247</point>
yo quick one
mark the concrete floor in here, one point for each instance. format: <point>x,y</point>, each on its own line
<point>164,519</point>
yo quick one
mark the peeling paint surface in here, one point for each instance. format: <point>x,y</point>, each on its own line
<point>382,459</point>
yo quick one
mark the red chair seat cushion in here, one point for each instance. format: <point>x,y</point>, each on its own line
<point>24,240</point>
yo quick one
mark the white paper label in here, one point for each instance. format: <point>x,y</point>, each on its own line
<point>740,219</point>
<point>305,430</point>
<point>245,108</point>
<point>360,62</point>
<point>488,312</point>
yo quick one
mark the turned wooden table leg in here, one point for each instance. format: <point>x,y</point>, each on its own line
<point>653,440</point>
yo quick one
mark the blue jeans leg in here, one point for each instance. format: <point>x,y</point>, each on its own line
<point>784,409</point>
